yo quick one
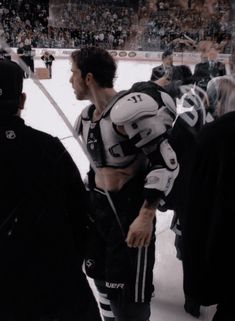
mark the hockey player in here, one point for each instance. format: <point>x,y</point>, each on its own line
<point>48,60</point>
<point>192,115</point>
<point>133,169</point>
<point>183,138</point>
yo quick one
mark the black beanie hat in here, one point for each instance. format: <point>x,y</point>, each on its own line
<point>11,85</point>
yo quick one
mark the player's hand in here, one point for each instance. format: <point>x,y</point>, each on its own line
<point>163,81</point>
<point>140,231</point>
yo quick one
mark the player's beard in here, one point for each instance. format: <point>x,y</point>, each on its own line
<point>82,92</point>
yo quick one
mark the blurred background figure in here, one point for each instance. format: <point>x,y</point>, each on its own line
<point>26,53</point>
<point>171,77</point>
<point>206,70</point>
<point>48,60</point>
<point>166,68</point>
<point>4,54</point>
<point>219,88</point>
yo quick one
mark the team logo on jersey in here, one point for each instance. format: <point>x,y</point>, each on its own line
<point>90,264</point>
<point>151,180</point>
<point>10,134</point>
<point>91,141</point>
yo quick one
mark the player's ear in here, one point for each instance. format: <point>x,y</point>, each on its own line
<point>89,78</point>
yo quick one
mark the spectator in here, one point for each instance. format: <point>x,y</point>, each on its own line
<point>67,23</point>
<point>43,213</point>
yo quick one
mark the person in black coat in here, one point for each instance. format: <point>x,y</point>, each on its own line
<point>205,71</point>
<point>48,60</point>
<point>43,217</point>
<point>208,230</point>
<point>171,77</point>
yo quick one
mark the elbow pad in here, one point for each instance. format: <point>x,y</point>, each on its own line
<point>160,179</point>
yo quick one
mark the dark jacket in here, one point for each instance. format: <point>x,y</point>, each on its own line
<point>48,59</point>
<point>178,76</point>
<point>181,72</point>
<point>203,73</point>
<point>182,138</point>
<point>210,216</point>
<point>43,213</point>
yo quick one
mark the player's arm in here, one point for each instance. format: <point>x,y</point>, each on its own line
<point>146,124</point>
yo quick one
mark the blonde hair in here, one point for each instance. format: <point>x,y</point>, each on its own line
<point>226,96</point>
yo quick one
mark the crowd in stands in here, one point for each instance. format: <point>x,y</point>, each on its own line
<point>181,27</point>
<point>91,22</point>
<point>24,21</point>
<point>131,25</point>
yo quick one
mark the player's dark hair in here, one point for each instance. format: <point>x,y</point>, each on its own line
<point>97,61</point>
<point>166,53</point>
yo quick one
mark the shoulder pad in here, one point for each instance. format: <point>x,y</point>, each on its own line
<point>78,125</point>
<point>84,115</point>
<point>86,112</point>
<point>168,102</point>
<point>133,106</point>
<point>113,101</point>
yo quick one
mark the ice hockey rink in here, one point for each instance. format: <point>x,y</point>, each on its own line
<point>167,304</point>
